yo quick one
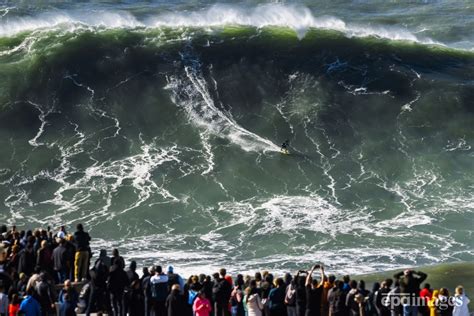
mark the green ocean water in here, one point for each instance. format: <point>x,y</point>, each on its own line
<point>158,126</point>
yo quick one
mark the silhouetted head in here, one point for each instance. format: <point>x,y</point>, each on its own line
<point>279,282</point>
<point>353,284</point>
<point>222,272</point>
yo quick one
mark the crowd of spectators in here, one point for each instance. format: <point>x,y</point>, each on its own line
<point>45,272</point>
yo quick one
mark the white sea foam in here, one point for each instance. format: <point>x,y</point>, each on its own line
<point>68,21</point>
<point>298,18</point>
<point>192,94</point>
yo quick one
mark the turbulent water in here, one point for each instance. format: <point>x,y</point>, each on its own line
<point>158,126</point>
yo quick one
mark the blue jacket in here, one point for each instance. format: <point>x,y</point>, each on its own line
<point>30,307</point>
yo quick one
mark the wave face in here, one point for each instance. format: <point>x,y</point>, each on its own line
<point>160,131</point>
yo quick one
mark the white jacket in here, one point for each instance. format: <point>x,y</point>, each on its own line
<point>254,305</point>
<point>460,305</point>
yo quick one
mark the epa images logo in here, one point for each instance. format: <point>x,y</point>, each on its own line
<point>393,300</point>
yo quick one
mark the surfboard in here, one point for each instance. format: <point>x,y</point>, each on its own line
<point>285,151</point>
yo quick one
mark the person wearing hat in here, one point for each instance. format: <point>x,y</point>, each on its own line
<point>174,278</point>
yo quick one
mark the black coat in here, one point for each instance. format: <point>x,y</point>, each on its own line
<point>26,261</point>
<point>175,304</point>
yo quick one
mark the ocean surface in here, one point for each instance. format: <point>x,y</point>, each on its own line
<point>158,125</point>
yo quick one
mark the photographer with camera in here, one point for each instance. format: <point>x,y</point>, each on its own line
<point>314,292</point>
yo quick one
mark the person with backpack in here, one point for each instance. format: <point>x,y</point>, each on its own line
<point>221,294</point>
<point>159,291</point>
<point>290,297</point>
<point>99,299</point>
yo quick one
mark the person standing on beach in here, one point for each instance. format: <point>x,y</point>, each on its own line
<point>81,260</point>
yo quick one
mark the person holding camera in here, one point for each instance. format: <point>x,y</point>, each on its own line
<point>314,292</point>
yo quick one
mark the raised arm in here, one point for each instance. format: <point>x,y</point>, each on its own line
<point>322,276</point>
<point>421,276</point>
<point>398,275</point>
<point>309,277</point>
